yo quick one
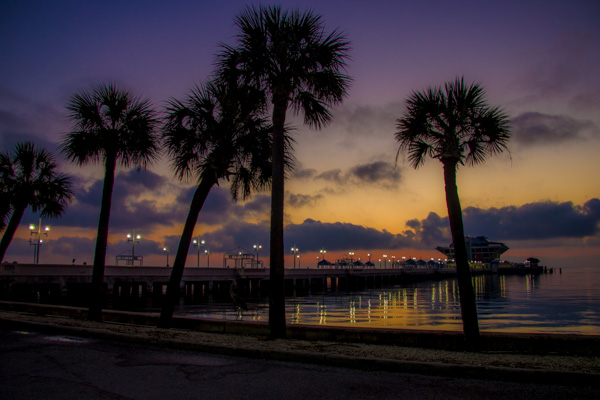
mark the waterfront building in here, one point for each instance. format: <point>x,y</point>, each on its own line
<point>479,249</point>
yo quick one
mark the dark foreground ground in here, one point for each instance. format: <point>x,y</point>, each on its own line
<point>56,356</point>
<point>42,365</point>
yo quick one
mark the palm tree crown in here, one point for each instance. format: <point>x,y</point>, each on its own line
<point>29,178</point>
<point>217,133</point>
<point>111,123</point>
<point>454,125</point>
<point>289,57</point>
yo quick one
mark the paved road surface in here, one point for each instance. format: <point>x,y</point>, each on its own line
<point>36,365</point>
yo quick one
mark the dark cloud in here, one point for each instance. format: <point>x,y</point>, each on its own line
<point>535,221</point>
<point>301,200</point>
<point>313,235</point>
<point>375,173</point>
<point>534,128</point>
<point>239,234</point>
<point>366,120</point>
<point>378,172</point>
<point>22,120</point>
<point>304,173</point>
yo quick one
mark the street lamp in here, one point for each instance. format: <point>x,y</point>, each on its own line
<point>295,252</point>
<point>351,254</point>
<point>167,251</point>
<point>133,238</point>
<point>37,242</point>
<point>323,251</point>
<point>384,261</point>
<point>258,248</point>
<point>207,252</point>
<point>197,243</point>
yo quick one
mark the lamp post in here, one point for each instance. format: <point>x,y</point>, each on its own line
<point>384,261</point>
<point>351,254</point>
<point>197,243</point>
<point>323,251</point>
<point>393,261</point>
<point>295,252</point>
<point>207,252</point>
<point>167,251</point>
<point>258,248</point>
<point>133,238</point>
<point>37,242</point>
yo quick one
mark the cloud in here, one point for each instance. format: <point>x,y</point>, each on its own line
<point>22,119</point>
<point>313,235</point>
<point>134,202</point>
<point>374,173</point>
<point>535,221</point>
<point>366,120</point>
<point>533,128</point>
<point>301,200</point>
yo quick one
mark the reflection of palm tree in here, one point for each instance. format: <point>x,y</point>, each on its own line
<point>29,179</point>
<point>455,126</point>
<point>288,56</point>
<point>215,134</point>
<point>110,125</point>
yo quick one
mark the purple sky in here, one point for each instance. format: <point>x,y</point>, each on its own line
<point>537,59</point>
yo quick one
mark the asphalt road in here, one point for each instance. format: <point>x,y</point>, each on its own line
<point>37,365</point>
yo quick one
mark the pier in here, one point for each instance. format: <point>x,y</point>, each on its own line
<point>27,280</point>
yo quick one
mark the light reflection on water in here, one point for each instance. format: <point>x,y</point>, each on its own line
<point>546,303</point>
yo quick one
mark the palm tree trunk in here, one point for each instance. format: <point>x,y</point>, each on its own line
<point>166,315</point>
<point>277,328</point>
<point>11,228</point>
<point>463,273</point>
<point>97,292</point>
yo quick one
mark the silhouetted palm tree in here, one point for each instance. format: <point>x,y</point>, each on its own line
<point>29,179</point>
<point>217,133</point>
<point>110,126</point>
<point>456,126</point>
<point>299,67</point>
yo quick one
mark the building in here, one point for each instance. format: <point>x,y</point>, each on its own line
<point>479,249</point>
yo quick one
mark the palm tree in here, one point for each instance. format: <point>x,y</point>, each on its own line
<point>289,57</point>
<point>216,134</point>
<point>29,179</point>
<point>456,126</point>
<point>110,125</point>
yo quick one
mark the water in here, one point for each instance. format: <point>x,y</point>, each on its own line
<point>566,303</point>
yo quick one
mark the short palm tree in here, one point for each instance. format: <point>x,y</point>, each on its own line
<point>111,126</point>
<point>455,126</point>
<point>289,57</point>
<point>216,133</point>
<point>29,178</point>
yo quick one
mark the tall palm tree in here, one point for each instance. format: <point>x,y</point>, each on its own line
<point>111,126</point>
<point>29,179</point>
<point>217,133</point>
<point>288,56</point>
<point>456,126</point>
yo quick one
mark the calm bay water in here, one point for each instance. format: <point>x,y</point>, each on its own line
<point>567,302</point>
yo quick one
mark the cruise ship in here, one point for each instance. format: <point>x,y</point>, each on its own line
<point>479,249</point>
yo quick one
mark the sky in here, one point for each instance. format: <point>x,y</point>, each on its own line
<point>349,192</point>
